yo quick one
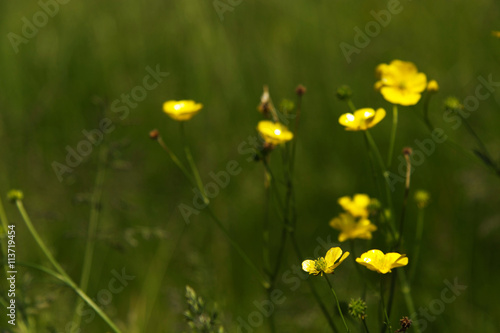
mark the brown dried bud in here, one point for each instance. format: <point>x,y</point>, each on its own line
<point>154,134</point>
<point>407,151</point>
<point>300,90</point>
<point>405,323</point>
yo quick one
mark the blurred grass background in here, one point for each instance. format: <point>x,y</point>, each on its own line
<point>92,52</point>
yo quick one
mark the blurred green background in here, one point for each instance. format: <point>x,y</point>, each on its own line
<point>65,78</point>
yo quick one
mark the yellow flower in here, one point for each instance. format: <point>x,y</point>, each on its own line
<point>357,206</point>
<point>432,86</point>
<point>181,110</point>
<point>400,83</point>
<point>376,260</point>
<point>274,133</point>
<point>350,229</point>
<point>362,119</point>
<point>327,264</point>
<point>496,34</point>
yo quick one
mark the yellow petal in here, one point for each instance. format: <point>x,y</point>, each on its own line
<point>309,266</point>
<point>332,255</point>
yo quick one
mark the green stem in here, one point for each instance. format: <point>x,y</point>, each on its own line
<point>265,227</point>
<point>385,175</point>
<point>393,134</point>
<point>95,204</point>
<point>406,290</point>
<point>5,227</point>
<point>60,270</point>
<point>322,306</point>
<point>366,326</point>
<point>387,324</point>
<point>338,304</point>
<point>176,160</point>
<point>418,241</point>
<point>246,259</point>
<point>190,160</point>
<point>351,105</point>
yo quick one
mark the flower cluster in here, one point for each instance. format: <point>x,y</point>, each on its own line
<point>354,222</point>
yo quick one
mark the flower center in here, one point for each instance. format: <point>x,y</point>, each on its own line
<point>320,264</point>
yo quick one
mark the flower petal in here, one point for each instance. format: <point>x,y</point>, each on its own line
<point>309,266</point>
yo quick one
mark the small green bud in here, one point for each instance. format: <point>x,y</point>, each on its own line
<point>15,195</point>
<point>357,308</point>
<point>452,104</point>
<point>344,93</point>
<point>422,198</point>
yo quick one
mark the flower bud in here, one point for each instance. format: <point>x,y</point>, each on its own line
<point>15,195</point>
<point>300,90</point>
<point>422,198</point>
<point>432,86</point>
<point>344,93</point>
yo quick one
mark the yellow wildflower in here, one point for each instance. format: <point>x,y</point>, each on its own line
<point>357,206</point>
<point>333,258</point>
<point>376,260</point>
<point>432,86</point>
<point>274,133</point>
<point>496,34</point>
<point>350,229</point>
<point>181,110</point>
<point>362,119</point>
<point>400,83</point>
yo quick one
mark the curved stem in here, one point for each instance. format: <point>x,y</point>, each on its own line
<point>311,286</point>
<point>338,304</point>
<point>366,326</point>
<point>190,160</point>
<point>95,209</point>
<point>393,134</point>
<point>60,270</point>
<point>174,159</point>
<point>246,259</point>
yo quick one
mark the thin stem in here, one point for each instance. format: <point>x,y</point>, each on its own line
<point>265,227</point>
<point>337,301</point>
<point>190,160</point>
<point>406,290</point>
<point>393,134</point>
<point>486,157</point>
<point>385,175</point>
<point>60,270</point>
<point>351,105</point>
<point>174,159</point>
<point>418,241</point>
<point>95,209</point>
<point>387,323</point>
<point>311,286</point>
<point>405,200</point>
<point>246,259</point>
<point>366,326</point>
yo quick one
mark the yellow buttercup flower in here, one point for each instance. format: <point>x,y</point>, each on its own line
<point>274,133</point>
<point>432,86</point>
<point>357,206</point>
<point>333,258</point>
<point>400,82</point>
<point>181,110</point>
<point>362,119</point>
<point>350,229</point>
<point>496,34</point>
<point>376,260</point>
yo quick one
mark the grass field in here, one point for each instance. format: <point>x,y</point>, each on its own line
<point>75,70</point>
